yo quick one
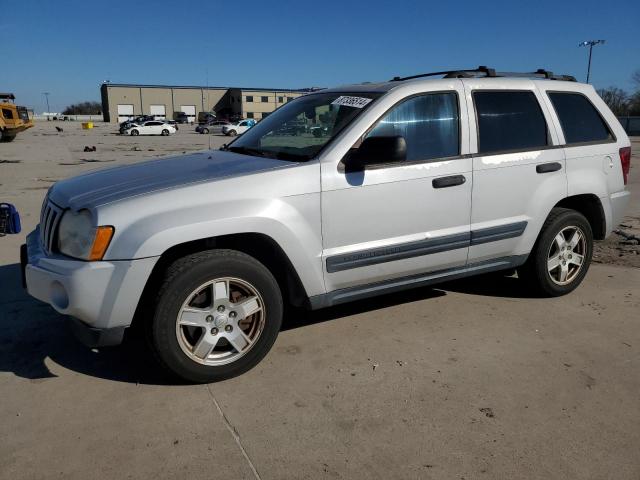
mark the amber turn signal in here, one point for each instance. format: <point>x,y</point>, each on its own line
<point>101,242</point>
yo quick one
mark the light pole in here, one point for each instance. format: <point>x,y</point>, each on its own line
<point>46,96</point>
<point>590,44</point>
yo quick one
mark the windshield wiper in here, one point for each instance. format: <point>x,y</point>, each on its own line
<point>246,151</point>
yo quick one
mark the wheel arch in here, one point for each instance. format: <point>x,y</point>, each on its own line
<point>258,245</point>
<point>591,207</point>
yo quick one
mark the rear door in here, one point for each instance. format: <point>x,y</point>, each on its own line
<point>519,170</point>
<point>395,220</point>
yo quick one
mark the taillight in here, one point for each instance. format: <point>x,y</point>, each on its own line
<point>625,161</point>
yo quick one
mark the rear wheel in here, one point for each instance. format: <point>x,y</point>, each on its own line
<point>204,130</point>
<point>562,254</point>
<point>165,132</point>
<point>135,132</point>
<point>217,315</point>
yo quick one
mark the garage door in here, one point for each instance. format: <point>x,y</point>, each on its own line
<point>157,111</point>
<point>190,110</point>
<point>125,112</point>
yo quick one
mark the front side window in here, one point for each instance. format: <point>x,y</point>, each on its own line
<point>7,113</point>
<point>430,124</point>
<point>579,119</point>
<point>509,121</point>
<point>300,129</point>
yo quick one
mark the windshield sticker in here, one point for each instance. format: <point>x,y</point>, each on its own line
<point>356,102</point>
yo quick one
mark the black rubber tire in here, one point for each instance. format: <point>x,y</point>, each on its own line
<point>165,133</point>
<point>232,133</point>
<point>185,275</point>
<point>535,272</point>
<point>5,137</point>
<point>135,133</point>
<point>204,131</point>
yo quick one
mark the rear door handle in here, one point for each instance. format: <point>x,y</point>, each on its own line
<point>451,181</point>
<point>548,167</point>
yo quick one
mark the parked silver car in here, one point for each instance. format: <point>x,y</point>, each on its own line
<point>413,182</point>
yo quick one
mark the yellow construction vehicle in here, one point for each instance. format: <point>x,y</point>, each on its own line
<point>13,118</point>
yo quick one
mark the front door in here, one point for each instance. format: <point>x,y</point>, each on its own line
<point>394,220</point>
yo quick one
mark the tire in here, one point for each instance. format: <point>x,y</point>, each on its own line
<point>5,137</point>
<point>232,133</point>
<point>135,133</point>
<point>165,133</point>
<point>552,268</point>
<point>204,131</point>
<point>193,344</point>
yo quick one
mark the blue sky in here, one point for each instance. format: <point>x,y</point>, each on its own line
<point>69,47</point>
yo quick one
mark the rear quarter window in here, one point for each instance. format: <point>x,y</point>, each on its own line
<point>509,121</point>
<point>580,120</point>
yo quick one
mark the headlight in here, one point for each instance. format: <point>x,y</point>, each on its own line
<point>79,238</point>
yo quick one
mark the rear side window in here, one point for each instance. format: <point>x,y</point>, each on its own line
<point>429,123</point>
<point>579,119</point>
<point>509,121</point>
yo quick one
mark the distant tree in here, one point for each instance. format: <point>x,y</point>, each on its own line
<point>84,108</point>
<point>635,78</point>
<point>634,104</point>
<point>617,100</point>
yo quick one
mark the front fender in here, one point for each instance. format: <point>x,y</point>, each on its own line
<point>293,222</point>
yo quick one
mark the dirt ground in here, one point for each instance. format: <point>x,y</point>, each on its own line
<point>470,379</point>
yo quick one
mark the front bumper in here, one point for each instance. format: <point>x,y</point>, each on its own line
<point>103,295</point>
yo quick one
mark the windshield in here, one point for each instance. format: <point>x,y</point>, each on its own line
<point>299,129</point>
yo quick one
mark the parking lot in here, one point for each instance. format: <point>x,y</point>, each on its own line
<point>470,379</point>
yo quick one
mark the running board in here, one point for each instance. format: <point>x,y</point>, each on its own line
<point>351,294</point>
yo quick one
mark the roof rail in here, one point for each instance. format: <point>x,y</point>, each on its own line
<point>484,71</point>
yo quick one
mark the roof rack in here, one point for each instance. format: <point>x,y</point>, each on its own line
<point>484,71</point>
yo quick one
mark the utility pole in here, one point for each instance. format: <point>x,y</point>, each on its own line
<point>46,96</point>
<point>590,44</point>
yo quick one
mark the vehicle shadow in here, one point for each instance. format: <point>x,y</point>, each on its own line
<point>35,341</point>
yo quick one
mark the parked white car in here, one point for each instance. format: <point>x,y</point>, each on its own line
<point>413,181</point>
<point>238,128</point>
<point>152,127</point>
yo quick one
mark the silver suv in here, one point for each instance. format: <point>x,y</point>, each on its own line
<point>414,181</point>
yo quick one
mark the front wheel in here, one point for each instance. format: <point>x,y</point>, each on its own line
<point>204,130</point>
<point>217,315</point>
<point>135,133</point>
<point>232,133</point>
<point>562,254</point>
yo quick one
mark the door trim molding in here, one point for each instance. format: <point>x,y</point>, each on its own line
<point>359,292</point>
<point>429,246</point>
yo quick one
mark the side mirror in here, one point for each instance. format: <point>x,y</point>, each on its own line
<point>374,150</point>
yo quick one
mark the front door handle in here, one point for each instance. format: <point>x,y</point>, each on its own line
<point>451,181</point>
<point>548,167</point>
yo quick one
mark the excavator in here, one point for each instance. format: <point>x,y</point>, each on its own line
<point>13,118</point>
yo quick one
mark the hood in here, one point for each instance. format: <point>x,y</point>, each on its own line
<point>97,188</point>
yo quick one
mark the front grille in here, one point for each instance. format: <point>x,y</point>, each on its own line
<point>49,219</point>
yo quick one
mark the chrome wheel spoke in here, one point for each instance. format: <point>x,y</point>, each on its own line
<point>205,345</point>
<point>553,263</point>
<point>564,272</point>
<point>247,307</point>
<point>221,291</point>
<point>575,239</point>
<point>238,339</point>
<point>193,317</point>
<point>559,240</point>
<point>576,259</point>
